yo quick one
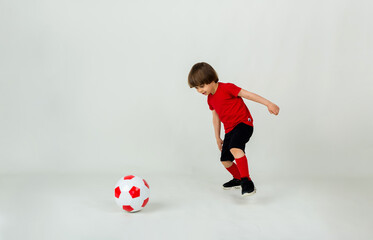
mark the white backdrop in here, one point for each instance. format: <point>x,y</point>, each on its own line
<point>101,86</point>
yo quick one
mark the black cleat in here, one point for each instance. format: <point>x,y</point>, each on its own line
<point>236,183</point>
<point>248,187</point>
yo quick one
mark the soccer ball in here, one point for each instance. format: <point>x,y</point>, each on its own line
<point>131,193</point>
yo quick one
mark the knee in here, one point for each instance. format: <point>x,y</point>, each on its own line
<point>227,164</point>
<point>237,153</point>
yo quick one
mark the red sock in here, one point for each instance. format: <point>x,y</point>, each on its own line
<point>234,171</point>
<point>243,167</point>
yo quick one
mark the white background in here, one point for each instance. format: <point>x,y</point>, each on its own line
<point>100,87</point>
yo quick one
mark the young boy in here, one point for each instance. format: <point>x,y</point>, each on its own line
<point>225,102</point>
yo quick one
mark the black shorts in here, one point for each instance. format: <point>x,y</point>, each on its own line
<point>236,138</point>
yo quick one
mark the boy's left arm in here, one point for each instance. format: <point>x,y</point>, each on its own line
<point>272,108</point>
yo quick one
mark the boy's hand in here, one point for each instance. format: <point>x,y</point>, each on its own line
<point>273,108</point>
<point>220,143</point>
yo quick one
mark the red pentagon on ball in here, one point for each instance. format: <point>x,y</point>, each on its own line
<point>127,208</point>
<point>117,192</point>
<point>146,184</point>
<point>129,177</point>
<point>134,192</point>
<point>145,202</point>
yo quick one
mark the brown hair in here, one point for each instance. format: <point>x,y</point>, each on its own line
<point>202,73</point>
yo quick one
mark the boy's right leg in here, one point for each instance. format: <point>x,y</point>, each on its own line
<point>232,169</point>
<point>227,160</point>
<point>227,164</point>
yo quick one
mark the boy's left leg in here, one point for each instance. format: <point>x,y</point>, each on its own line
<point>247,184</point>
<point>241,162</point>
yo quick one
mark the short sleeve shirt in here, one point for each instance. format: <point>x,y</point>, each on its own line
<point>230,108</point>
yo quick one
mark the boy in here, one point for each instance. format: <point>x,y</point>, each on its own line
<point>225,102</point>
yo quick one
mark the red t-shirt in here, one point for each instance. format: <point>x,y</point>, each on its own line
<point>230,108</point>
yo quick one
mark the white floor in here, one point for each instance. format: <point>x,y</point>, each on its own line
<point>185,207</point>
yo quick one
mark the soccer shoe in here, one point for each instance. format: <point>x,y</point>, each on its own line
<point>248,187</point>
<point>236,183</point>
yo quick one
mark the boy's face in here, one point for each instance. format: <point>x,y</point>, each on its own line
<point>206,89</point>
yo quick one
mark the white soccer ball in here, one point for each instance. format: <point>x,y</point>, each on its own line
<point>131,193</point>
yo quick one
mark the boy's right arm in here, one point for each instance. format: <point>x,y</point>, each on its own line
<point>217,125</point>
